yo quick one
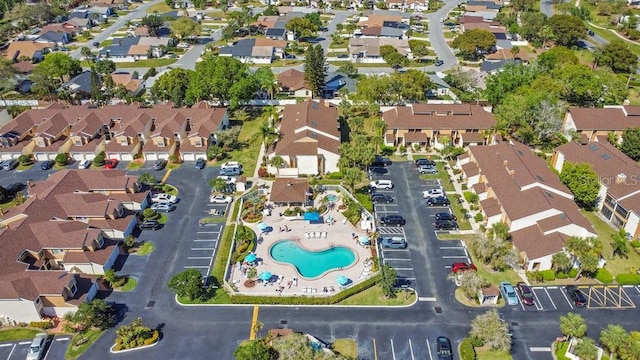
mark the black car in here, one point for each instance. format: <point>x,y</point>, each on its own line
<point>15,188</point>
<point>576,295</point>
<point>438,201</point>
<point>445,216</point>
<point>381,198</point>
<point>149,225</point>
<point>159,164</point>
<point>396,220</point>
<point>446,225</point>
<point>425,162</point>
<point>443,348</point>
<point>377,170</point>
<point>47,164</point>
<point>381,161</point>
<point>200,164</point>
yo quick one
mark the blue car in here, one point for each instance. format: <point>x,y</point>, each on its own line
<point>509,293</point>
<point>200,164</point>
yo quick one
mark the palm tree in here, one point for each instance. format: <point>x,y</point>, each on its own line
<point>277,162</point>
<point>560,261</point>
<point>613,337</point>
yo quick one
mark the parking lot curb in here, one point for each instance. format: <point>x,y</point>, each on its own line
<point>303,306</point>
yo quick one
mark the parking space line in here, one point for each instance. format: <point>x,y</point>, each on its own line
<point>451,247</point>
<point>5,345</point>
<point>393,351</point>
<point>195,267</point>
<point>395,250</point>
<point>198,257</point>
<point>196,249</point>
<point>520,301</point>
<point>208,232</point>
<point>429,350</point>
<point>405,269</point>
<point>566,298</point>
<point>24,343</point>
<point>375,350</point>
<point>399,259</point>
<point>201,240</point>
<point>62,339</point>
<point>537,302</point>
<point>411,349</point>
<point>11,353</point>
<point>550,299</point>
<point>454,257</point>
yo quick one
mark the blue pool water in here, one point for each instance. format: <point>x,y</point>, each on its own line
<point>311,264</point>
<point>332,198</point>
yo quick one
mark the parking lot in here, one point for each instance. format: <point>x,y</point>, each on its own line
<point>54,348</point>
<point>453,251</point>
<point>555,298</point>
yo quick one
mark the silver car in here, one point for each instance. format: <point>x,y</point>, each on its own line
<point>37,345</point>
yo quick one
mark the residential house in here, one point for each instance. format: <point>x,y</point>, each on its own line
<point>507,175</point>
<point>378,20</point>
<point>597,124</point>
<point>23,71</point>
<point>309,139</point>
<point>367,50</point>
<point>34,51</point>
<point>293,83</point>
<point>334,82</point>
<point>416,5</point>
<point>290,192</point>
<point>130,81</point>
<point>619,196</point>
<point>59,38</point>
<point>438,125</point>
<point>71,30</point>
<point>247,51</point>
<point>55,244</point>
<point>79,20</point>
<point>79,85</point>
<point>129,49</point>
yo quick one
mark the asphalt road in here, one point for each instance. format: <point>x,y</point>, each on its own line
<point>437,39</point>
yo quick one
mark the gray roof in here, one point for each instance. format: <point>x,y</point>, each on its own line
<point>275,32</point>
<point>80,83</point>
<point>505,44</point>
<point>79,15</point>
<point>390,32</point>
<point>53,36</point>
<point>280,25</point>
<point>487,4</point>
<point>341,80</point>
<point>404,15</point>
<point>489,66</point>
<point>241,48</point>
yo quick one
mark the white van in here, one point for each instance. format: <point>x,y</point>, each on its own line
<point>381,184</point>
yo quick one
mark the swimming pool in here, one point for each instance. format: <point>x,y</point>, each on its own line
<point>311,264</point>
<point>331,198</point>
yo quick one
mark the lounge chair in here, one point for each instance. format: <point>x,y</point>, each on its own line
<point>317,234</point>
<point>304,290</point>
<point>280,279</point>
<point>312,235</point>
<point>307,235</point>
<point>314,290</point>
<point>295,281</point>
<point>324,234</point>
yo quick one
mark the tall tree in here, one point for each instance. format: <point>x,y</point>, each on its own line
<point>315,69</point>
<point>587,250</point>
<point>352,176</point>
<point>185,27</point>
<point>153,23</point>
<point>388,279</point>
<point>631,143</point>
<point>560,261</point>
<point>532,24</point>
<point>491,330</point>
<point>613,337</point>
<point>583,183</point>
<point>104,67</point>
<point>266,81</point>
<point>173,86</point>
<point>189,284</point>
<point>222,79</point>
<point>586,349</point>
<point>59,65</point>
<point>567,29</point>
<point>630,350</point>
<point>96,313</point>
<point>573,325</point>
<point>619,245</point>
<point>392,57</point>
<point>474,43</point>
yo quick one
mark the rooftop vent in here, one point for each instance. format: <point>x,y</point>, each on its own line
<point>621,178</point>
<point>593,147</point>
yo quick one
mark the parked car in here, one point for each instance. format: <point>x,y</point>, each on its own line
<point>162,207</point>
<point>432,193</point>
<point>231,164</point>
<point>438,201</point>
<point>446,216</point>
<point>427,169</point>
<point>220,199</point>
<point>381,184</point>
<point>200,163</point>
<point>509,293</point>
<point>393,242</point>
<point>578,298</point>
<point>159,164</point>
<point>377,170</point>
<point>381,198</point>
<point>149,225</point>
<point>526,295</point>
<point>10,164</point>
<point>443,348</point>
<point>228,179</point>
<point>446,225</point>
<point>84,164</point>
<point>162,197</point>
<point>37,345</point>
<point>110,163</point>
<point>47,164</point>
<point>15,188</point>
<point>457,267</point>
<point>230,171</point>
<point>381,161</point>
<point>396,220</point>
<point>343,56</point>
<point>425,162</point>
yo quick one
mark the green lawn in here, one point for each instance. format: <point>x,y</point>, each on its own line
<point>345,347</point>
<point>135,165</point>
<point>616,265</point>
<point>146,63</point>
<point>74,352</point>
<point>561,349</point>
<point>163,218</point>
<point>212,220</point>
<point>160,7</point>
<point>223,252</point>
<point>106,43</point>
<point>220,297</point>
<point>129,285</point>
<point>611,36</point>
<point>373,296</point>
<point>18,334</point>
<point>146,248</point>
<point>442,174</point>
<point>485,354</point>
<point>457,211</point>
<point>250,137</point>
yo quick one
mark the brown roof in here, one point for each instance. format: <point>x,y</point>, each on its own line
<point>23,67</point>
<point>292,80</point>
<point>480,188</point>
<point>138,50</point>
<point>473,137</point>
<point>286,190</point>
<point>439,116</point>
<point>127,81</point>
<point>535,244</point>
<point>491,290</point>
<point>307,127</point>
<point>505,54</point>
<point>495,29</point>
<point>18,49</point>
<point>372,31</point>
<point>378,20</point>
<point>141,31</point>
<point>416,136</point>
<point>607,118</point>
<point>58,28</point>
<point>470,169</point>
<point>278,44</point>
<point>471,19</point>
<point>490,206</point>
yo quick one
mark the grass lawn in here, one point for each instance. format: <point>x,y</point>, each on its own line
<point>74,352</point>
<point>219,297</point>
<point>248,153</point>
<point>561,349</point>
<point>339,45</point>
<point>346,348</point>
<point>135,165</point>
<point>611,36</point>
<point>212,220</point>
<point>442,174</point>
<point>463,222</point>
<point>173,166</point>
<point>106,43</point>
<point>163,218</point>
<point>634,96</point>
<point>161,7</point>
<point>450,35</point>
<point>146,63</point>
<point>24,167</point>
<point>373,296</point>
<point>486,354</point>
<point>129,285</point>
<point>223,252</point>
<point>18,334</point>
<point>495,277</point>
<point>465,237</point>
<point>7,205</point>
<point>146,248</point>
<point>617,265</point>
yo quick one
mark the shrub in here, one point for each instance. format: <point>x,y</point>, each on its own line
<point>154,337</point>
<point>478,217</point>
<point>174,158</point>
<point>562,275</point>
<point>472,198</point>
<point>262,172</point>
<point>635,244</point>
<point>24,159</point>
<point>61,159</point>
<point>335,175</point>
<point>628,279</point>
<point>99,159</point>
<point>604,276</point>
<point>387,150</point>
<point>41,324</point>
<point>137,156</point>
<point>548,275</point>
<point>475,341</point>
<point>149,213</point>
<point>403,149</point>
<point>467,351</point>
<point>573,273</point>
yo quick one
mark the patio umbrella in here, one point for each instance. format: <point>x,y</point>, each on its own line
<point>262,226</point>
<point>342,280</point>
<point>364,240</point>
<point>265,276</point>
<point>250,258</point>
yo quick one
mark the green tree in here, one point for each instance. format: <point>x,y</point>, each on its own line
<point>252,350</point>
<point>474,43</point>
<point>349,69</point>
<point>271,10</point>
<point>560,261</point>
<point>619,244</point>
<point>613,337</point>
<point>277,162</point>
<point>523,5</point>
<point>491,330</point>
<point>315,69</point>
<point>61,159</point>
<point>185,27</point>
<point>189,284</point>
<point>147,178</point>
<point>512,77</point>
<point>229,138</point>
<point>221,79</point>
<point>153,23</point>
<point>359,152</point>
<point>387,281</point>
<point>631,143</point>
<point>573,325</point>
<point>586,349</point>
<point>173,86</point>
<point>419,48</point>
<point>471,283</point>
<point>240,19</point>
<point>567,29</point>
<point>352,176</point>
<point>630,350</point>
<point>104,67</point>
<point>266,80</point>
<point>587,250</point>
<point>557,57</point>
<point>532,24</point>
<point>59,65</point>
<point>215,152</point>
<point>302,27</point>
<point>96,313</point>
<point>583,183</point>
<point>392,57</point>
<point>86,53</point>
<point>218,184</point>
<point>493,251</point>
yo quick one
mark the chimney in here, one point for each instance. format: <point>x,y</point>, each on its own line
<point>621,178</point>
<point>505,162</point>
<point>30,184</point>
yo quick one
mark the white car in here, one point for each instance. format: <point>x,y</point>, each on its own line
<point>84,164</point>
<point>220,199</point>
<point>231,164</point>
<point>433,193</point>
<point>162,207</point>
<point>162,197</point>
<point>228,179</point>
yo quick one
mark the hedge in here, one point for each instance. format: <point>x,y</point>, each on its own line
<point>303,300</point>
<point>41,324</point>
<point>154,337</point>
<point>628,279</point>
<point>335,175</point>
<point>604,276</point>
<point>635,244</point>
<point>467,352</point>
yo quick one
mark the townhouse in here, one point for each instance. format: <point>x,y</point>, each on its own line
<point>597,124</point>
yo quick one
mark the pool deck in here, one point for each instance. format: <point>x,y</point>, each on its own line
<point>340,233</point>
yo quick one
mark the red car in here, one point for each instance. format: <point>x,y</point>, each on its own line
<point>526,295</point>
<point>110,163</point>
<point>460,266</point>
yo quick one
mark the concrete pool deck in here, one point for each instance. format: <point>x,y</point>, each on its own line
<point>340,233</point>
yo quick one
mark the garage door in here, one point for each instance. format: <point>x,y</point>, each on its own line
<point>114,156</point>
<point>42,157</point>
<point>126,157</point>
<point>151,156</point>
<point>163,156</point>
<point>6,157</point>
<point>189,157</point>
<point>77,156</point>
<point>90,156</point>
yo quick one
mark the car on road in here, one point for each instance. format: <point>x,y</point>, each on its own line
<point>526,295</point>
<point>231,164</point>
<point>443,348</point>
<point>377,170</point>
<point>220,199</point>
<point>381,198</point>
<point>439,63</point>
<point>591,33</point>
<point>438,201</point>
<point>47,164</point>
<point>230,171</point>
<point>162,207</point>
<point>343,56</point>
<point>425,162</point>
<point>393,242</point>
<point>15,188</point>
<point>509,293</point>
<point>457,267</point>
<point>381,184</point>
<point>159,164</point>
<point>427,169</point>
<point>149,225</point>
<point>111,163</point>
<point>163,197</point>
<point>578,298</point>
<point>84,164</point>
<point>37,345</point>
<point>389,220</point>
<point>433,193</point>
<point>200,164</point>
<point>446,216</point>
<point>381,161</point>
<point>10,164</point>
<point>446,225</point>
